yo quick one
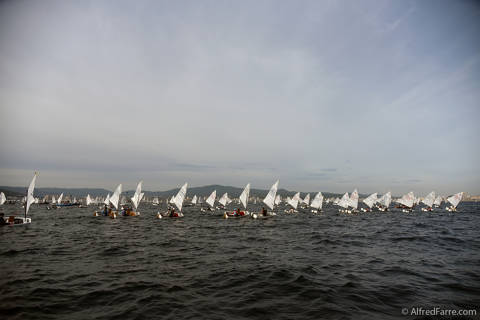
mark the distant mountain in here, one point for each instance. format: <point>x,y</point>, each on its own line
<point>40,192</point>
<point>232,192</point>
<point>203,191</point>
<point>10,193</point>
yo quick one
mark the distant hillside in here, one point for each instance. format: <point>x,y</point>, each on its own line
<point>199,191</point>
<point>10,193</point>
<point>232,192</point>
<point>40,192</point>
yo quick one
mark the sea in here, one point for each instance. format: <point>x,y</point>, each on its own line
<point>68,264</point>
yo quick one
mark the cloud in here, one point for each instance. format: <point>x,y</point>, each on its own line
<point>224,93</point>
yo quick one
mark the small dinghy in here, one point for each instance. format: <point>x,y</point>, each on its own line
<point>244,201</point>
<point>454,201</point>
<point>109,201</point>
<point>293,203</point>
<point>428,201</point>
<point>317,203</point>
<point>370,202</point>
<point>29,199</point>
<point>137,197</point>
<point>270,202</point>
<point>384,201</point>
<point>344,202</point>
<point>407,202</point>
<point>211,202</point>
<point>178,202</point>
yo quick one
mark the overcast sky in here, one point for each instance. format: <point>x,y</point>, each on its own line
<point>323,95</point>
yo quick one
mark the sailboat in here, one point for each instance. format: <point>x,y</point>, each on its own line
<point>384,201</point>
<point>306,201</point>
<point>224,200</point>
<point>428,201</point>
<point>438,201</point>
<point>370,202</point>
<point>2,198</point>
<point>178,202</point>
<point>278,200</point>
<point>244,201</point>
<point>88,200</point>
<point>59,200</point>
<point>137,197</point>
<point>317,203</point>
<point>454,201</point>
<point>194,200</point>
<point>354,201</point>
<point>29,199</point>
<point>344,202</point>
<point>109,201</point>
<point>269,201</point>
<point>406,202</point>
<point>115,201</point>
<point>293,202</point>
<point>210,201</point>
<point>155,201</point>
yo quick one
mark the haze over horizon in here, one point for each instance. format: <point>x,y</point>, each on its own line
<point>323,95</point>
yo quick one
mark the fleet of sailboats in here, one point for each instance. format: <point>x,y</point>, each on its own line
<point>116,204</point>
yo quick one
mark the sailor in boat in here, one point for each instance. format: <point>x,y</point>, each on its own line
<point>105,210</point>
<point>264,212</point>
<point>172,213</point>
<point>2,220</point>
<point>238,213</point>
<point>125,211</point>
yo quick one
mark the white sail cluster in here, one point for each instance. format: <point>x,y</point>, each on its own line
<point>348,203</point>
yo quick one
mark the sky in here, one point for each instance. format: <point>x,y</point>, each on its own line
<point>323,95</point>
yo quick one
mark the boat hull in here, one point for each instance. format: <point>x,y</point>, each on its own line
<point>15,221</point>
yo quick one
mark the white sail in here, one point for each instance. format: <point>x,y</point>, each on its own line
<point>223,199</point>
<point>386,199</point>
<point>2,198</point>
<point>155,200</point>
<point>296,196</point>
<point>294,201</point>
<point>211,198</point>
<point>371,200</point>
<point>30,198</point>
<point>178,200</point>
<point>107,199</point>
<point>270,198</point>
<point>306,200</point>
<point>194,200</point>
<point>455,199</point>
<point>137,195</point>
<point>278,200</point>
<point>344,202</point>
<point>53,200</point>
<point>88,200</point>
<point>245,195</point>
<point>438,201</point>
<point>336,201</point>
<point>429,199</point>
<point>115,198</point>
<point>354,199</point>
<point>317,201</point>
<point>59,200</point>
<point>407,200</point>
